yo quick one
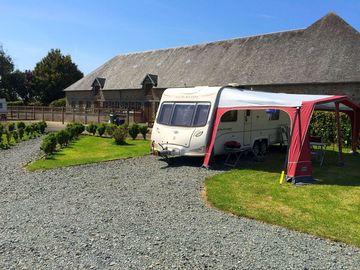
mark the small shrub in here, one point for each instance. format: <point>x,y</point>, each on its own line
<point>21,133</point>
<point>134,131</point>
<point>1,128</point>
<point>91,128</point>
<point>20,125</point>
<point>15,135</point>
<point>11,127</point>
<point>71,132</point>
<point>8,136</point>
<point>62,137</point>
<point>110,128</point>
<point>77,128</point>
<point>120,135</point>
<point>48,144</point>
<point>144,130</point>
<point>41,126</point>
<point>28,130</point>
<point>101,129</point>
<point>58,103</point>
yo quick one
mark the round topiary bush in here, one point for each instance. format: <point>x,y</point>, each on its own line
<point>20,125</point>
<point>91,128</point>
<point>62,137</point>
<point>15,135</point>
<point>28,130</point>
<point>11,127</point>
<point>120,135</point>
<point>41,126</point>
<point>101,129</point>
<point>48,144</point>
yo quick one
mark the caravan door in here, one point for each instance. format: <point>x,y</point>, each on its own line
<point>247,128</point>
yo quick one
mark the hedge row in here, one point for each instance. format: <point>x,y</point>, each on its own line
<point>64,137</point>
<point>133,130</point>
<point>61,138</point>
<point>323,124</point>
<point>16,132</point>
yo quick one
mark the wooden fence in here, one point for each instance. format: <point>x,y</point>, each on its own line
<point>67,114</point>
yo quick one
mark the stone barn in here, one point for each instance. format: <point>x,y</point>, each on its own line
<point>323,58</point>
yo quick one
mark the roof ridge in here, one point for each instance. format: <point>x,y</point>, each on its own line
<point>213,42</point>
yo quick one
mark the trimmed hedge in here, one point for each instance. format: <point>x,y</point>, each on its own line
<point>323,124</point>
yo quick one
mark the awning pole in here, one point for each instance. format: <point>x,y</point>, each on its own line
<point>339,140</point>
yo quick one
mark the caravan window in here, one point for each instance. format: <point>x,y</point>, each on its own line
<point>201,115</point>
<point>1,106</point>
<point>183,114</point>
<point>165,113</point>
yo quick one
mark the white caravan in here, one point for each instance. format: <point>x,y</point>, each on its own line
<point>3,109</point>
<point>185,118</point>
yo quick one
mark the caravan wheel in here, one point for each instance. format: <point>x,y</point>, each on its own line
<point>263,147</point>
<point>256,148</point>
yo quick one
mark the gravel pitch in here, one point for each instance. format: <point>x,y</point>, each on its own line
<point>136,214</point>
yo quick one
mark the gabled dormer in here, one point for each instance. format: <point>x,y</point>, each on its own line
<point>97,85</point>
<point>149,82</point>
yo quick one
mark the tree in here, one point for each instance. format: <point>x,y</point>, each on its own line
<point>6,68</point>
<point>53,74</point>
<point>21,84</point>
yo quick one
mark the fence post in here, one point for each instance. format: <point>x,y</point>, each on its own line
<point>73,114</point>
<point>98,115</point>
<point>85,117</point>
<point>33,112</point>
<point>43,114</point>
<point>52,114</point>
<point>128,113</point>
<point>62,114</point>
<point>25,113</point>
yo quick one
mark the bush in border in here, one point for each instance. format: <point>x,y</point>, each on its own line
<point>134,131</point>
<point>91,128</point>
<point>48,144</point>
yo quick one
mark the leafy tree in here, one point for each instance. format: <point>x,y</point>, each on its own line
<point>6,68</point>
<point>53,74</point>
<point>21,84</point>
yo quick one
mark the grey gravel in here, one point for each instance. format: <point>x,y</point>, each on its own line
<point>136,214</point>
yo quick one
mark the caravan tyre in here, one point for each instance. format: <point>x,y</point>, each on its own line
<point>263,147</point>
<point>256,148</point>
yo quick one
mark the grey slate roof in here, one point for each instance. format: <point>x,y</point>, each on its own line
<point>327,51</point>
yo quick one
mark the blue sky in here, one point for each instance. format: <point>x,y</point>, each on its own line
<point>92,32</point>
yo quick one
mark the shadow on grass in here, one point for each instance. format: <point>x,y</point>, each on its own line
<point>328,174</point>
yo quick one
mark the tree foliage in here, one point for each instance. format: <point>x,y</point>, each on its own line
<point>6,68</point>
<point>53,74</point>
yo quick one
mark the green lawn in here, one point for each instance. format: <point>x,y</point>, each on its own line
<point>330,209</point>
<point>90,149</point>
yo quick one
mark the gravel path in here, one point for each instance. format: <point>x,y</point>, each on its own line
<point>141,215</point>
